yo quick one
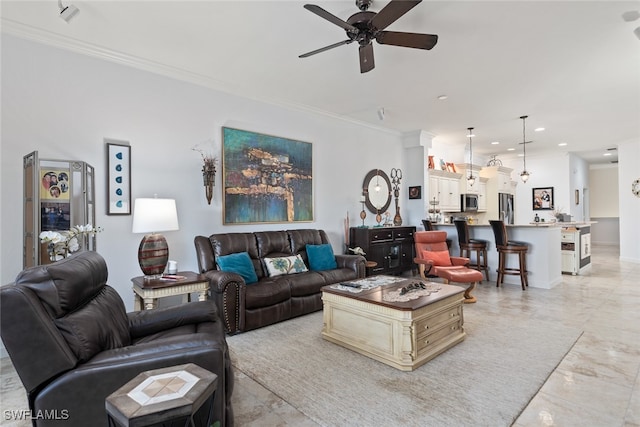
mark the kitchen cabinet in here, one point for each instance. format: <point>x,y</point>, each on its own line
<point>504,182</point>
<point>482,195</point>
<point>465,186</point>
<point>444,187</point>
<point>390,247</point>
<point>576,249</point>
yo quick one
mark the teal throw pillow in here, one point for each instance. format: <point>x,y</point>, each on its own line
<point>239,263</point>
<point>321,257</point>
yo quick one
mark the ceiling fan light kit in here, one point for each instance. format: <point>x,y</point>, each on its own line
<point>365,26</point>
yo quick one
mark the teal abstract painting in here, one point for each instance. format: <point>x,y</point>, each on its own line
<point>266,179</point>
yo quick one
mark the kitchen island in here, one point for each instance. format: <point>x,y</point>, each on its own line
<point>544,259</point>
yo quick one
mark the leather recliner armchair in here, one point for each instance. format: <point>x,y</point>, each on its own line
<point>72,342</point>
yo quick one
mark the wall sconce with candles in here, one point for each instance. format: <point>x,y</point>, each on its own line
<point>208,172</point>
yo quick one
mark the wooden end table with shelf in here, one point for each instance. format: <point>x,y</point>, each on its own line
<point>147,291</point>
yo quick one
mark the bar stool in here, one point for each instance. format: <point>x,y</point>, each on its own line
<point>468,246</point>
<point>505,247</point>
<point>428,226</point>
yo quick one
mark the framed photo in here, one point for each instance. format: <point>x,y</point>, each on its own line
<point>265,179</point>
<point>543,199</point>
<point>415,192</point>
<point>118,177</point>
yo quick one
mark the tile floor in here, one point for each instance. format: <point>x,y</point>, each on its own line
<point>596,384</point>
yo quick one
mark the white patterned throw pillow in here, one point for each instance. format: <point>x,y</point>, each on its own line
<point>285,265</point>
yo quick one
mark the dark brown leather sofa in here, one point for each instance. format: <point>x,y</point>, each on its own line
<point>272,299</point>
<point>73,344</point>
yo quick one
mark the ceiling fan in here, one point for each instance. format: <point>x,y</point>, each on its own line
<point>365,26</point>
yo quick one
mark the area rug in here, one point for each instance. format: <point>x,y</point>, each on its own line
<point>486,380</point>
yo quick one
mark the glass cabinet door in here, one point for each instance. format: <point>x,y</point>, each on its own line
<point>58,194</point>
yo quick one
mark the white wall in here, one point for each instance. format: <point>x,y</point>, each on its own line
<point>579,181</point>
<point>628,171</point>
<point>604,202</point>
<point>546,171</point>
<point>63,104</point>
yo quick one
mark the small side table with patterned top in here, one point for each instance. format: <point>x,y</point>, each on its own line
<point>162,395</point>
<point>146,292</point>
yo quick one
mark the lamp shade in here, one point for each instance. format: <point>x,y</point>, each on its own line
<point>151,216</point>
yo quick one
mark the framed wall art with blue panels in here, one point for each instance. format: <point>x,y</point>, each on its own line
<point>118,177</point>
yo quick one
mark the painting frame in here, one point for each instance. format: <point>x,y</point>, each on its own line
<point>118,177</point>
<point>542,199</point>
<point>415,192</point>
<point>266,179</point>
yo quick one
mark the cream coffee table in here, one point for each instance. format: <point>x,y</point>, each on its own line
<point>379,320</point>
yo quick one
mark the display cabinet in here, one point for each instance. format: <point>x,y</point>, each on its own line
<point>58,194</point>
<point>391,248</point>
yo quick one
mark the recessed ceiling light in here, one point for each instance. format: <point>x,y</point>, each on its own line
<point>562,144</point>
<point>520,155</point>
<point>495,142</point>
<point>538,129</point>
<point>511,149</point>
<point>606,154</point>
<point>471,135</point>
<point>442,97</point>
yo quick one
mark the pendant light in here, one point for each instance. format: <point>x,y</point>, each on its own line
<point>471,179</point>
<point>524,175</point>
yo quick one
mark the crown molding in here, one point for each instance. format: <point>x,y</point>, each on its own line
<point>49,38</point>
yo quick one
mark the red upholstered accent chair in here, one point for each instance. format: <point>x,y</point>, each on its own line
<point>433,260</point>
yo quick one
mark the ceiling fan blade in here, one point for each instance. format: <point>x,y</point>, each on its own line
<point>331,18</point>
<point>391,12</point>
<point>414,40</point>
<point>322,49</point>
<point>366,58</point>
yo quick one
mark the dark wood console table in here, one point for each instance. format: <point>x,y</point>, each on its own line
<point>390,247</point>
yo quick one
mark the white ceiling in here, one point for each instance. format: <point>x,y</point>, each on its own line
<point>572,66</point>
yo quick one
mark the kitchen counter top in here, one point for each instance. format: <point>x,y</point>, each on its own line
<point>543,257</point>
<point>535,224</point>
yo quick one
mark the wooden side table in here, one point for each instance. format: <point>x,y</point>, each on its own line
<point>146,292</point>
<point>162,395</point>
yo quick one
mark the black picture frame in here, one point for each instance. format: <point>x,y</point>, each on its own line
<point>542,199</point>
<point>415,192</point>
<point>118,177</point>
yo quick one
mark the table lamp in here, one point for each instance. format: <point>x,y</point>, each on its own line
<point>152,216</point>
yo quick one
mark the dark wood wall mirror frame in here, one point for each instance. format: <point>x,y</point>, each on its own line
<point>377,201</point>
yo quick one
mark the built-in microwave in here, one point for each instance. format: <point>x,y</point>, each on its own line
<point>468,202</point>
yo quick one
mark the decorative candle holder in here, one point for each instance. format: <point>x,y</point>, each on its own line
<point>396,176</point>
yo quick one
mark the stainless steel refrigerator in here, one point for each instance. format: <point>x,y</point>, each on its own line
<point>505,207</point>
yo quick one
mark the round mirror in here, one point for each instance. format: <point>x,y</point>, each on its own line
<point>376,189</point>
